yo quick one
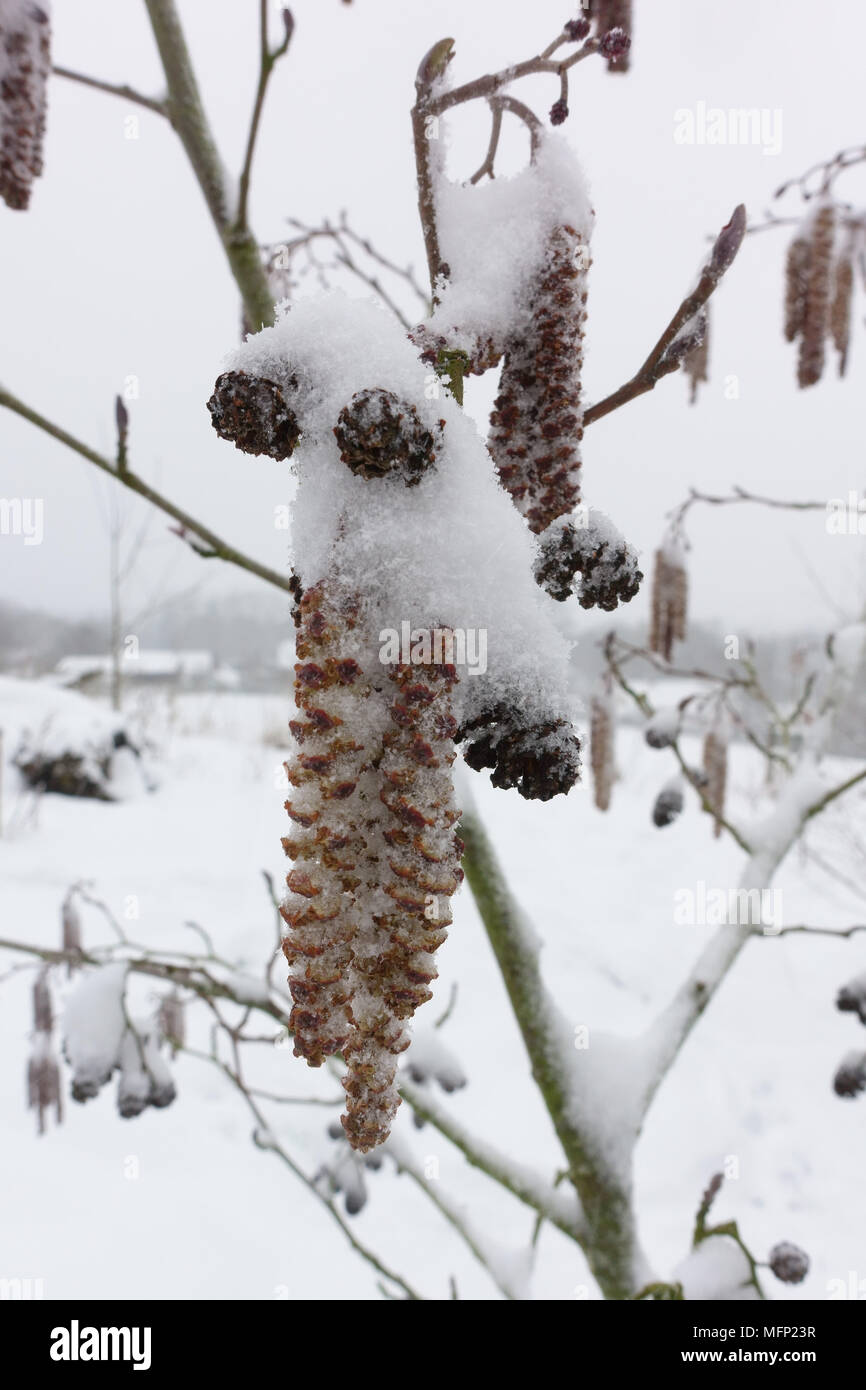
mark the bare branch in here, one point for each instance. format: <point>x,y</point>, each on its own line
<point>204,541</point>
<point>117,89</point>
<point>268,59</point>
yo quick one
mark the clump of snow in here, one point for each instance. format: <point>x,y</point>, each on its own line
<point>450,552</point>
<point>430,1060</point>
<point>716,1271</point>
<point>145,1078</point>
<point>492,236</point>
<point>93,1028</point>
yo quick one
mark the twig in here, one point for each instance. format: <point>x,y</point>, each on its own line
<point>204,541</point>
<point>268,58</point>
<point>664,357</point>
<point>117,89</point>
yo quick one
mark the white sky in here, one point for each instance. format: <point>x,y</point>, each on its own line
<point>116,270</point>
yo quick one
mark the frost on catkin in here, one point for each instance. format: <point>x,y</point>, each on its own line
<point>537,421</point>
<point>816,308</point>
<point>715,762</point>
<point>327,839</point>
<point>601,738</point>
<point>25,62</point>
<point>393,963</point>
<point>669,600</point>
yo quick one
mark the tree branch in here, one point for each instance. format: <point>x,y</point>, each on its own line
<point>155,104</point>
<point>211,545</point>
<point>268,59</point>
<point>190,121</point>
<point>664,357</point>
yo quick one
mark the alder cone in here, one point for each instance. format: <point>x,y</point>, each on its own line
<point>393,965</point>
<point>537,421</point>
<point>379,434</point>
<point>25,64</point>
<point>606,563</point>
<point>540,759</point>
<point>328,841</point>
<point>251,412</point>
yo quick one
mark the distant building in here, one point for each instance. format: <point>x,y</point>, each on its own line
<point>185,669</point>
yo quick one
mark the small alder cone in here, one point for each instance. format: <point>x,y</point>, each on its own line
<point>840,307</point>
<point>715,762</point>
<point>788,1262</point>
<point>668,805</point>
<point>393,963</point>
<point>606,563</point>
<point>25,64</point>
<point>819,284</point>
<point>669,601</point>
<point>379,434</point>
<point>601,736</point>
<point>537,421</point>
<point>250,412</point>
<point>850,1078</point>
<point>327,842</point>
<point>541,759</point>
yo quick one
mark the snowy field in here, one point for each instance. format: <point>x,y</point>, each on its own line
<point>178,1204</point>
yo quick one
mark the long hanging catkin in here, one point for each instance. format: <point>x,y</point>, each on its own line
<point>393,963</point>
<point>840,306</point>
<point>25,63</point>
<point>716,772</point>
<point>537,421</point>
<point>601,749</point>
<point>816,309</point>
<point>327,842</point>
<point>669,599</point>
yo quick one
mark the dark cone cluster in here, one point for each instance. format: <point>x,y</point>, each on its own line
<point>25,64</point>
<point>251,412</point>
<point>541,760</point>
<point>605,562</point>
<point>669,601</point>
<point>394,965</point>
<point>378,434</point>
<point>537,421</point>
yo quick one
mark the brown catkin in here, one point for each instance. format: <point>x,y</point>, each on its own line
<point>796,281</point>
<point>393,963</point>
<point>25,64</point>
<point>840,307</point>
<point>716,770</point>
<point>326,806</point>
<point>537,421</point>
<point>668,602</point>
<point>816,313</point>
<point>601,750</point>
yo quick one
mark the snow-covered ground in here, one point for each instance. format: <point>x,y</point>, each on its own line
<point>179,1204</point>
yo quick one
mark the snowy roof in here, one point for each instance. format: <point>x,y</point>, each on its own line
<point>148,662</point>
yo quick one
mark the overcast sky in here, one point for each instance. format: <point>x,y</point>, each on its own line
<point>116,271</point>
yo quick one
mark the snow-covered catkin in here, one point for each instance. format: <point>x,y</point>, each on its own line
<point>601,750</point>
<point>840,306</point>
<point>669,600</point>
<point>25,64</point>
<point>172,1021</point>
<point>796,282</point>
<point>816,311</point>
<point>327,842</point>
<point>537,421</point>
<point>715,762</point>
<point>420,870</point>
